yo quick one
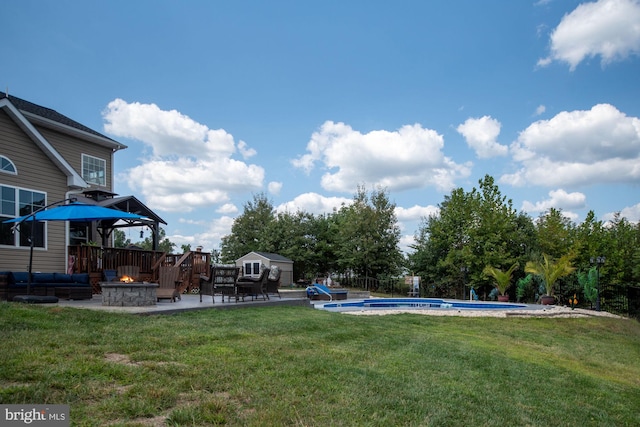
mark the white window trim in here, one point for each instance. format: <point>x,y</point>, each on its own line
<point>15,169</point>
<point>45,229</point>
<point>251,261</point>
<point>88,179</point>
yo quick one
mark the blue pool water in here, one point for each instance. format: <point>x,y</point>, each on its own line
<point>416,303</point>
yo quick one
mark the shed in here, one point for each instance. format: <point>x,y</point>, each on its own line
<point>251,262</point>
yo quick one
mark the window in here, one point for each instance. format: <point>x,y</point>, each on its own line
<point>94,170</point>
<point>78,233</point>
<point>7,166</point>
<point>252,268</point>
<point>15,202</point>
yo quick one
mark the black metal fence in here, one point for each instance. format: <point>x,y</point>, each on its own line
<point>624,300</point>
<point>618,299</point>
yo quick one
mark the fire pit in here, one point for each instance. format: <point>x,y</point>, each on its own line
<point>127,279</point>
<point>127,293</point>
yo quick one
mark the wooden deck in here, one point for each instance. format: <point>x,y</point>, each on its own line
<point>94,260</point>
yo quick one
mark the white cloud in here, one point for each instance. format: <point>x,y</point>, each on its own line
<point>210,238</point>
<point>228,209</point>
<point>189,221</point>
<point>274,187</point>
<point>314,203</point>
<point>578,148</point>
<point>481,136</point>
<point>540,110</point>
<point>605,28</point>
<point>410,218</point>
<point>190,165</point>
<point>406,241</point>
<point>167,133</point>
<point>558,199</point>
<point>416,213</point>
<point>245,151</point>
<point>631,213</point>
<point>574,217</point>
<point>410,157</point>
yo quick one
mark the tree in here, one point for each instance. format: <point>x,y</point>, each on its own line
<point>502,278</point>
<point>120,239</point>
<point>589,282</point>
<point>322,244</point>
<point>215,256</point>
<point>164,244</point>
<point>442,243</point>
<point>621,246</point>
<point>494,233</point>
<point>551,270</point>
<point>294,235</point>
<point>248,230</point>
<point>556,233</point>
<point>474,229</point>
<point>368,235</point>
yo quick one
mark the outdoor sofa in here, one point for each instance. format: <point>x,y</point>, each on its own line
<point>61,285</point>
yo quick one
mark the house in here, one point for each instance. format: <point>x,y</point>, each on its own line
<point>251,263</point>
<point>47,157</point>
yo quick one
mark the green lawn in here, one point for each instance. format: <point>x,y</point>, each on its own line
<point>297,366</point>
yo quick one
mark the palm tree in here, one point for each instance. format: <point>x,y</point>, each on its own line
<point>502,278</point>
<point>550,271</point>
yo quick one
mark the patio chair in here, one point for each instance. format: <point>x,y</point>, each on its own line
<point>167,283</point>
<point>253,286</point>
<point>110,275</point>
<point>273,281</point>
<point>221,280</point>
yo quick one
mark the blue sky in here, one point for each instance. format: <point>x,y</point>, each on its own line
<point>304,101</point>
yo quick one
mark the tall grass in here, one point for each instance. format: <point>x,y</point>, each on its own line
<point>297,366</point>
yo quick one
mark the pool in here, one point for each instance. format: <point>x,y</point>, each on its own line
<point>417,304</point>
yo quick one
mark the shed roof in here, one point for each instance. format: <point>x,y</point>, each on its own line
<point>270,256</point>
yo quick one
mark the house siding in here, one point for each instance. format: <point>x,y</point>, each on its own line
<point>35,172</point>
<point>72,149</point>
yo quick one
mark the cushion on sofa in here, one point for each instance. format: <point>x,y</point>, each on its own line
<point>62,278</point>
<point>82,278</point>
<point>42,278</point>
<point>274,273</point>
<point>18,277</point>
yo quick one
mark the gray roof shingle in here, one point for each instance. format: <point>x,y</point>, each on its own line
<point>50,114</point>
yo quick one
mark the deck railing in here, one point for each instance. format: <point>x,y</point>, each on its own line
<point>94,260</point>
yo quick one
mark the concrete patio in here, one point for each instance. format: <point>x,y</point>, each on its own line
<point>191,302</point>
